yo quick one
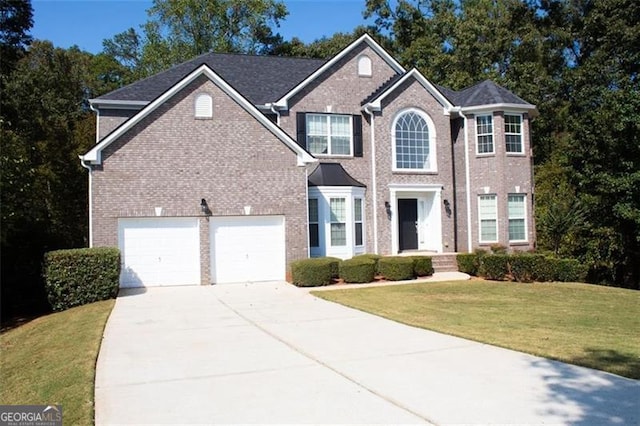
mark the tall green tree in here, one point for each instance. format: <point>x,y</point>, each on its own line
<point>16,19</point>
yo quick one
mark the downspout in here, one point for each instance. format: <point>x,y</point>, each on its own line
<point>90,201</point>
<point>373,179</point>
<point>276,112</point>
<point>466,178</point>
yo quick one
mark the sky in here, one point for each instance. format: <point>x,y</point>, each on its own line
<point>86,23</point>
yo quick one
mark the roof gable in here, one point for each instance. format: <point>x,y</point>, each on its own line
<point>94,155</point>
<point>283,102</point>
<point>261,79</point>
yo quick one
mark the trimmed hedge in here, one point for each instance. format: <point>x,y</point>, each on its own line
<point>396,268</point>
<point>468,263</point>
<point>334,265</point>
<point>570,270</point>
<point>80,276</point>
<point>523,267</point>
<point>494,266</point>
<point>312,272</point>
<point>422,266</point>
<point>375,257</point>
<point>357,270</point>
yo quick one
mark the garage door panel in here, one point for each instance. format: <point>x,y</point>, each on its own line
<point>159,251</point>
<point>247,248</point>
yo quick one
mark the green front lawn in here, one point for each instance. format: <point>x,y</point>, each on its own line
<point>52,360</point>
<point>593,326</point>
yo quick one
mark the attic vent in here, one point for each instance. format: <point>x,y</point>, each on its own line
<point>204,106</point>
<point>364,66</point>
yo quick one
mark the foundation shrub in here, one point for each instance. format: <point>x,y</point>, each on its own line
<point>80,276</point>
<point>357,270</point>
<point>468,263</point>
<point>494,266</point>
<point>370,256</point>
<point>312,272</point>
<point>396,268</point>
<point>422,266</point>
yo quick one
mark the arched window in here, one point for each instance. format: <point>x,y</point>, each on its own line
<point>414,137</point>
<point>204,106</point>
<point>364,66</point>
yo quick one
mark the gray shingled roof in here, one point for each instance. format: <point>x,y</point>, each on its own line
<point>485,93</point>
<point>261,79</point>
<point>332,174</point>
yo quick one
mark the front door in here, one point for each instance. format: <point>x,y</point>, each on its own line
<point>408,223</point>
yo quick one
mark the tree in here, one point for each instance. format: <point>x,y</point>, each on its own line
<point>178,30</point>
<point>16,19</point>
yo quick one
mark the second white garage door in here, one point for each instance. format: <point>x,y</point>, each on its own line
<point>247,248</point>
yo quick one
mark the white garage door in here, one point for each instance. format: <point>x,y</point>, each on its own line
<point>247,248</point>
<point>159,251</point>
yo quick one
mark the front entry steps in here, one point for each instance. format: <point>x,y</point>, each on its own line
<point>442,262</point>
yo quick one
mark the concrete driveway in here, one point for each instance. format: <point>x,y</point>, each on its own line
<point>272,353</point>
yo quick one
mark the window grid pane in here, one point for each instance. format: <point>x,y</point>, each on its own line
<point>517,216</point>
<point>412,142</point>
<point>329,134</point>
<point>338,234</point>
<point>488,212</point>
<point>513,133</point>
<point>313,210</point>
<point>484,130</point>
<point>337,206</point>
<point>357,218</point>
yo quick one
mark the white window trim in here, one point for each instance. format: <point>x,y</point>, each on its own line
<point>365,66</point>
<point>208,108</point>
<point>433,158</point>
<point>524,217</point>
<point>493,136</point>
<point>361,221</point>
<point>521,134</point>
<point>328,117</point>
<point>495,197</point>
<point>344,221</point>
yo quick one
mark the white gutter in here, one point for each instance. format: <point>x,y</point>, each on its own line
<point>272,108</point>
<point>374,183</point>
<point>90,201</point>
<point>467,177</point>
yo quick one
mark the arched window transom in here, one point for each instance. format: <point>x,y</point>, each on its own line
<point>413,147</point>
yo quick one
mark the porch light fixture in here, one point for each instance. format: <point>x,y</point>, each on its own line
<point>204,207</point>
<point>447,207</point>
<point>387,208</point>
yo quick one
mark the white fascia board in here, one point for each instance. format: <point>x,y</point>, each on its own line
<point>115,104</point>
<point>94,155</point>
<point>283,102</point>
<point>376,104</point>
<point>415,187</point>
<point>520,108</point>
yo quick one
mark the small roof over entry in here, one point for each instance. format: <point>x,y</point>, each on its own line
<point>332,174</point>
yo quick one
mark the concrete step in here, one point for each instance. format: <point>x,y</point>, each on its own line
<point>445,262</point>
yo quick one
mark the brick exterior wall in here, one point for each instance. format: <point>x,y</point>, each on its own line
<point>172,160</point>
<point>110,119</point>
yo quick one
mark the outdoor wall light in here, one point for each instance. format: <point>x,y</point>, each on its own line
<point>447,207</point>
<point>204,207</point>
<point>387,208</point>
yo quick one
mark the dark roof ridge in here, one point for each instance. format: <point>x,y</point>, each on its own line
<point>332,174</point>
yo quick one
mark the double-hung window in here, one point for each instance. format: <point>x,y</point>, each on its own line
<point>329,134</point>
<point>488,213</point>
<point>513,133</point>
<point>314,234</point>
<point>338,221</point>
<point>517,216</point>
<point>484,131</point>
<point>357,220</point>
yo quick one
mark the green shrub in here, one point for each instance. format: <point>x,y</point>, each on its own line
<point>80,276</point>
<point>498,249</point>
<point>357,270</point>
<point>335,266</point>
<point>494,266</point>
<point>396,268</point>
<point>545,268</point>
<point>422,266</point>
<point>468,263</point>
<point>523,267</point>
<point>370,256</point>
<point>570,270</point>
<point>313,272</point>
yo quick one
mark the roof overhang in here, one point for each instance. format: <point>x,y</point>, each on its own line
<point>376,104</point>
<point>94,156</point>
<point>115,104</point>
<point>519,108</point>
<point>283,103</point>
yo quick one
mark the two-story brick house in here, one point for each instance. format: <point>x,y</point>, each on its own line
<point>228,167</point>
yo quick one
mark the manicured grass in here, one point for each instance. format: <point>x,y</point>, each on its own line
<point>593,326</point>
<point>52,359</point>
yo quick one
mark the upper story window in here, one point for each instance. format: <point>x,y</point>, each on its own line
<point>484,132</point>
<point>488,215</point>
<point>329,134</point>
<point>414,142</point>
<point>204,106</point>
<point>513,133</point>
<point>364,66</point>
